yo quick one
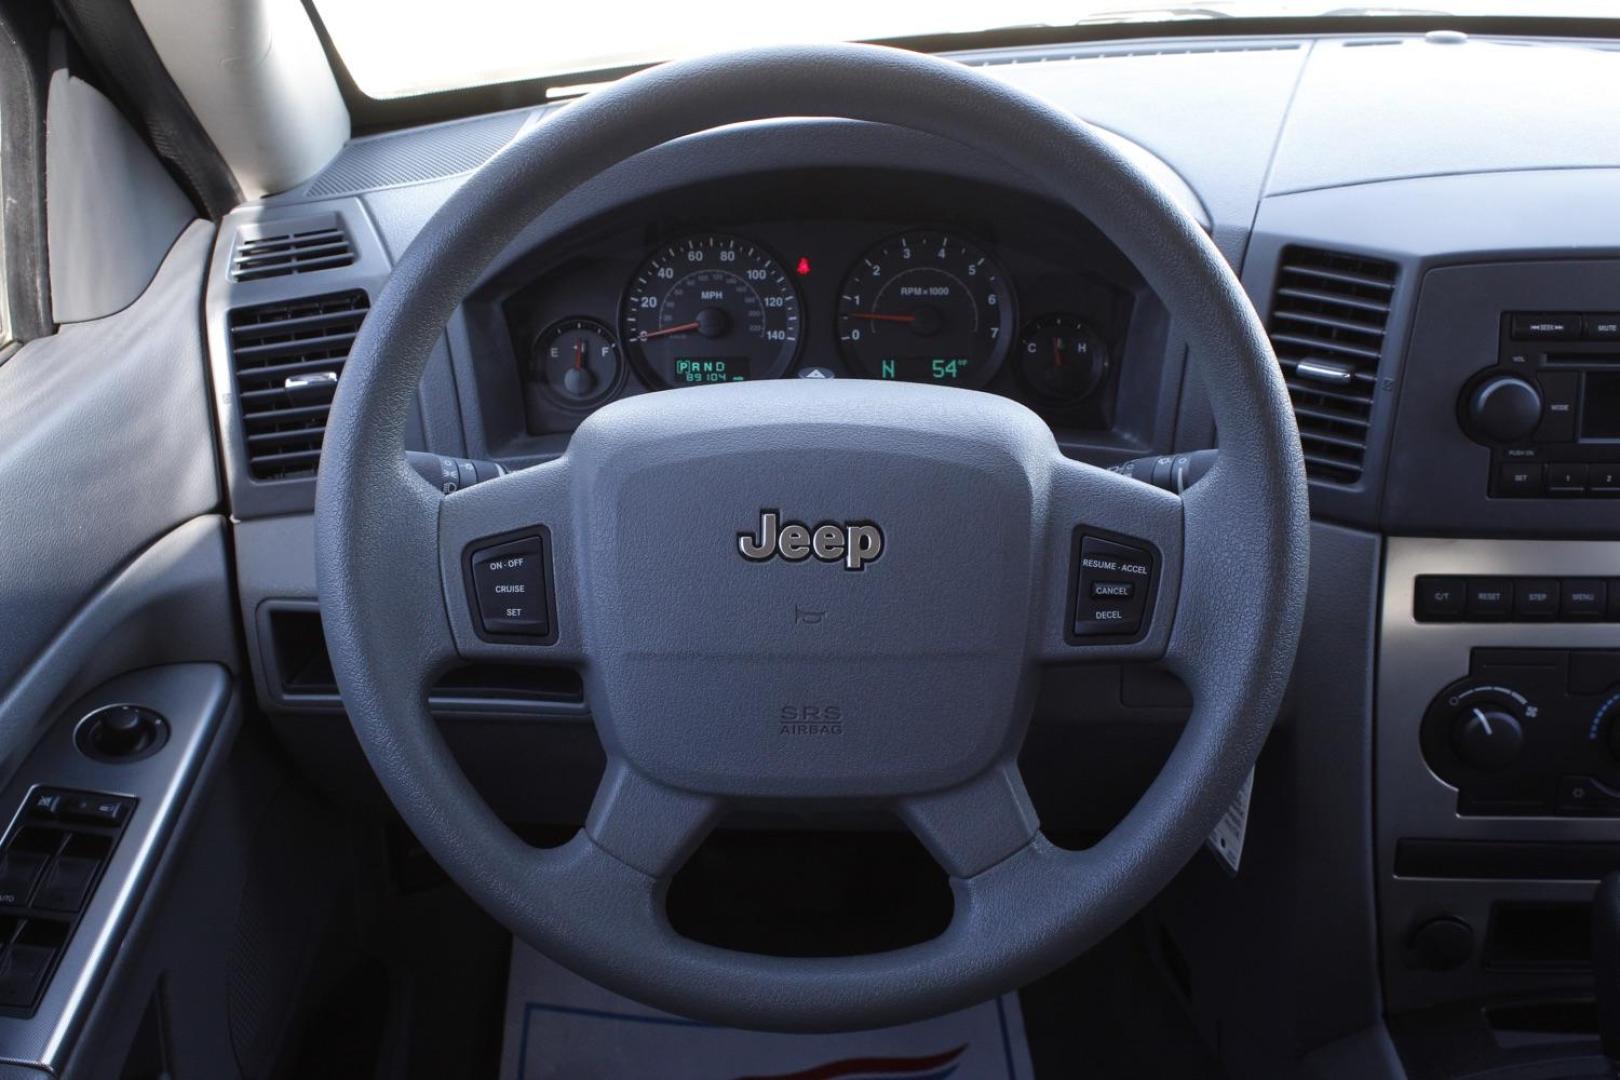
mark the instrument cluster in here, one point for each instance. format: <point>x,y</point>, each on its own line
<point>817,300</point>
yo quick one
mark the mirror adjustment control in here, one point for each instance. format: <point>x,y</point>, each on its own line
<point>121,733</point>
<point>1111,594</point>
<point>509,587</point>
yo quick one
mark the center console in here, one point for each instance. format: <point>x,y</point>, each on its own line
<point>1498,764</point>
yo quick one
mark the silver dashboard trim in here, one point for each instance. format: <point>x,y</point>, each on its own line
<point>1415,661</point>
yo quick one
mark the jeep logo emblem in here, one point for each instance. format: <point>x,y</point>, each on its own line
<point>855,543</point>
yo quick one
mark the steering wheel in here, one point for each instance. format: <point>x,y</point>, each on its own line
<point>941,544</point>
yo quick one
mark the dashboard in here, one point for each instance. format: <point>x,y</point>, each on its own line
<point>864,274</point>
<point>1428,229</point>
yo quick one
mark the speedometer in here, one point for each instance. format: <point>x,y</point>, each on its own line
<point>711,309</point>
<point>926,307</point>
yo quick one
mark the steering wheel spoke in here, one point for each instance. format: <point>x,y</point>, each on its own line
<point>1113,567</point>
<point>508,567</point>
<point>972,827</point>
<point>645,824</point>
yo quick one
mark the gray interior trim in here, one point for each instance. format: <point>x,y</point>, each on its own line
<point>1369,1054</point>
<point>112,211</point>
<point>410,157</point>
<point>1415,105</point>
<point>105,445</point>
<point>256,76</point>
<point>170,604</point>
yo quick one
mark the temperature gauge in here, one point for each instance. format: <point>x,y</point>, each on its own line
<point>1062,359</point>
<point>576,361</point>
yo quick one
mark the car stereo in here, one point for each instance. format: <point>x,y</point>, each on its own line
<point>1549,408</point>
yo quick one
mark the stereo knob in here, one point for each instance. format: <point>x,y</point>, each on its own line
<point>1486,737</point>
<point>1504,409</point>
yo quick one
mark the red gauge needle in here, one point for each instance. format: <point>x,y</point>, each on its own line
<point>1057,353</point>
<point>681,329</point>
<point>579,353</point>
<point>882,318</point>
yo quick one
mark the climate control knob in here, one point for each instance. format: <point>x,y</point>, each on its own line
<point>1504,409</point>
<point>1486,737</point>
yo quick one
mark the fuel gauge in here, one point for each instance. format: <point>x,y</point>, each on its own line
<point>1062,359</point>
<point>577,362</point>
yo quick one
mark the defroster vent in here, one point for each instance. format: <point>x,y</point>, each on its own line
<point>277,254</point>
<point>287,358</point>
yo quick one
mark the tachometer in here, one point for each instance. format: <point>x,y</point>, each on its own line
<point>926,307</point>
<point>711,309</point>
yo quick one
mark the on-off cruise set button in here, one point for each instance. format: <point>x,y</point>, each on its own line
<point>509,583</point>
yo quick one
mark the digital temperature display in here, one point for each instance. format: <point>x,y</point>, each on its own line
<point>940,369</point>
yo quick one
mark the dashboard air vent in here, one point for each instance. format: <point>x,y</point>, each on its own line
<point>277,254</point>
<point>287,358</point>
<point>1327,327</point>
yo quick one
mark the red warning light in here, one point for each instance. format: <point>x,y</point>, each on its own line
<point>803,269</point>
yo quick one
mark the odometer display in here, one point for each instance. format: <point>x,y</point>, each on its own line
<point>711,309</point>
<point>926,307</point>
<point>692,370</point>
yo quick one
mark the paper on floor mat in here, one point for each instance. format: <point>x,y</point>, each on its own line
<point>560,1027</point>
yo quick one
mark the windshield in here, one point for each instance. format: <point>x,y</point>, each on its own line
<point>398,48</point>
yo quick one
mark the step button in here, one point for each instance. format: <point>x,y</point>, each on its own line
<point>1535,598</point>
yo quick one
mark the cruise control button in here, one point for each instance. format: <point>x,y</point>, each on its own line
<point>1111,595</point>
<point>509,581</point>
<point>1098,556</point>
